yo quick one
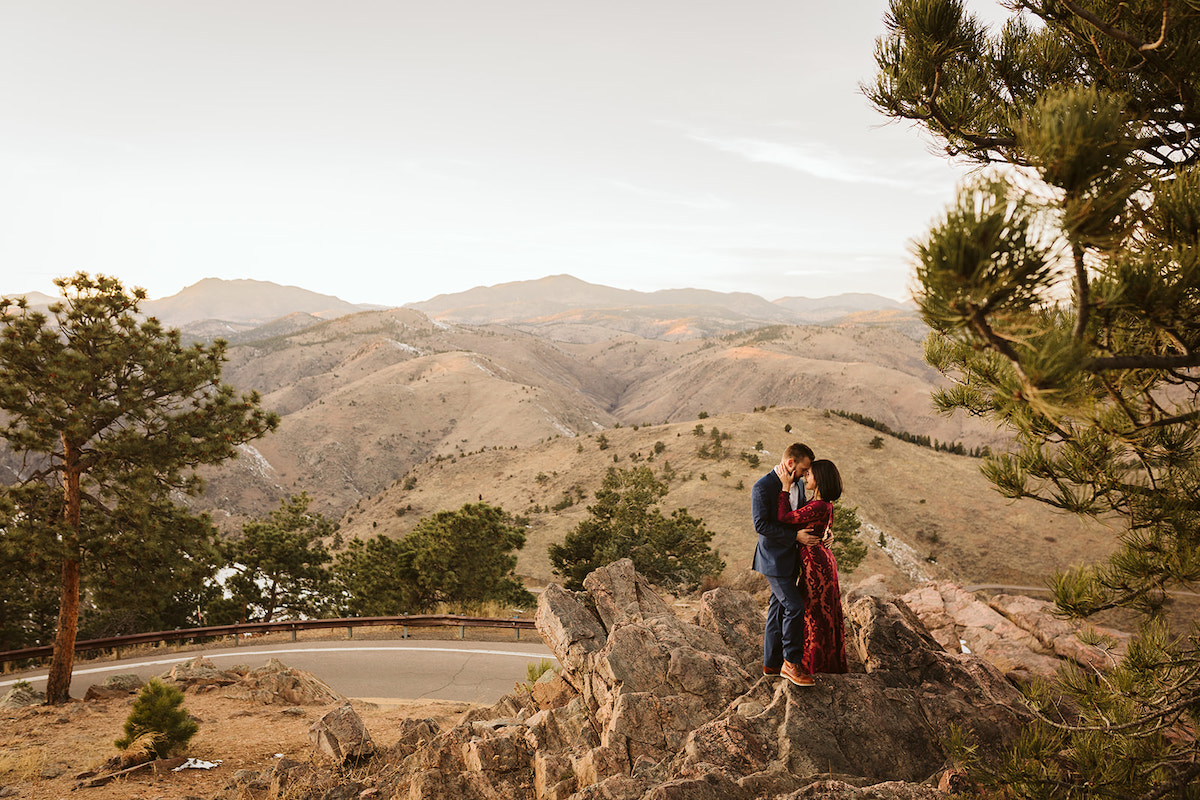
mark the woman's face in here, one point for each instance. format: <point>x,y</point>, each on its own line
<point>810,482</point>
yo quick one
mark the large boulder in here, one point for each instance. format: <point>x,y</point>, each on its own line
<point>22,695</point>
<point>277,683</point>
<point>650,706</point>
<point>1018,635</point>
<point>341,736</point>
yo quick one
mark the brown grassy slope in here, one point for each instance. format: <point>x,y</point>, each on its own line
<point>908,492</point>
<point>366,397</point>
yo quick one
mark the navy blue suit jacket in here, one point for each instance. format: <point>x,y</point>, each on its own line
<point>776,551</point>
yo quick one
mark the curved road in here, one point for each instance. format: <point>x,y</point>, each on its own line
<point>380,670</point>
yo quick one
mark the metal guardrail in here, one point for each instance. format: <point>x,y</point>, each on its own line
<point>292,625</point>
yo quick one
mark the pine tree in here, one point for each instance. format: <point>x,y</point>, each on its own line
<point>1064,295</point>
<point>114,414</point>
<point>625,522</point>
<point>158,712</point>
<point>463,557</point>
<point>280,563</point>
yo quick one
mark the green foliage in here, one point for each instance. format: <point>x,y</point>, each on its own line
<point>702,415</point>
<point>280,563</point>
<point>847,547</point>
<point>158,711</point>
<point>461,557</point>
<point>1065,303</point>
<point>536,669</point>
<point>111,415</point>
<point>876,443</point>
<point>659,447</point>
<point>956,448</point>
<point>602,442</point>
<point>626,522</point>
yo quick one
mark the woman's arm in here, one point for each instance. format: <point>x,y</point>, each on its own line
<point>812,514</point>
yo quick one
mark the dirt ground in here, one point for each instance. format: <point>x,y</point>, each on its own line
<point>43,749</point>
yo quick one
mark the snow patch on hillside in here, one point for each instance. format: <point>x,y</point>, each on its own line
<point>902,554</point>
<point>408,348</point>
<point>254,461</point>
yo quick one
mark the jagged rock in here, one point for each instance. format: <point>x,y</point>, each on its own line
<point>22,695</point>
<point>552,691</point>
<point>621,595</point>
<point>1018,635</point>
<point>341,735</point>
<point>127,681</point>
<point>872,586</point>
<point>96,692</point>
<point>736,618</point>
<point>411,735</point>
<point>570,627</point>
<point>199,674</point>
<point>666,709</point>
<point>280,684</point>
<point>1059,635</point>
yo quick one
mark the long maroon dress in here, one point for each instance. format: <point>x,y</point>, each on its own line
<point>824,628</point>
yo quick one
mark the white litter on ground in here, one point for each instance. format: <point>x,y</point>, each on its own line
<point>196,763</point>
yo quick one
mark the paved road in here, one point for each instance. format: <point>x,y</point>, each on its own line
<point>474,672</point>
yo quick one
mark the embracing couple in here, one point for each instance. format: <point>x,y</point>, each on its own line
<point>792,506</point>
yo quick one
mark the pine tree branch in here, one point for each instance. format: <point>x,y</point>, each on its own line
<point>1082,292</point>
<point>1160,715</point>
<point>1178,782</point>
<point>1142,362</point>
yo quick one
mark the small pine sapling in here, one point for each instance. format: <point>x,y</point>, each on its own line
<point>158,711</point>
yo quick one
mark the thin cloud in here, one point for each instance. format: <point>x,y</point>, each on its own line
<point>816,160</point>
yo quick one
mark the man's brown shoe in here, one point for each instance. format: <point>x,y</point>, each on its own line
<point>771,671</point>
<point>796,674</point>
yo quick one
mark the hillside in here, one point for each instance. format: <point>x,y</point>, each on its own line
<point>245,302</point>
<point>368,396</point>
<point>561,306</point>
<point>925,503</point>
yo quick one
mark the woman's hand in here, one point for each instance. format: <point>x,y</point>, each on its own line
<point>785,477</point>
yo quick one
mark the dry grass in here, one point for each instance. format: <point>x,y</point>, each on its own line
<point>43,749</point>
<point>935,502</point>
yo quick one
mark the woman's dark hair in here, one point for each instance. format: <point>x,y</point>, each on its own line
<point>829,480</point>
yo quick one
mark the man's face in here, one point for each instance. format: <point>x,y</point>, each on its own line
<point>800,469</point>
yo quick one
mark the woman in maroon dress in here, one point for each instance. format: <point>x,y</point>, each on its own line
<point>824,629</point>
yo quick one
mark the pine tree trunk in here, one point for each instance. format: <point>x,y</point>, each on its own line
<point>58,683</point>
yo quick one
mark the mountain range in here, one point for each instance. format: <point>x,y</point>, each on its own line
<point>387,410</point>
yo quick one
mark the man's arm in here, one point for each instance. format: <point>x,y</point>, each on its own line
<point>764,508</point>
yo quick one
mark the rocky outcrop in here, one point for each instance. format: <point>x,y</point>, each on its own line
<point>341,736</point>
<point>272,683</point>
<point>1020,636</point>
<point>22,695</point>
<point>649,706</point>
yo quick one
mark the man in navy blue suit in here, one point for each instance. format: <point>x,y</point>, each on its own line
<point>776,557</point>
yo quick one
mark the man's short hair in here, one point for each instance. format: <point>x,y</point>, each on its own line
<point>797,451</point>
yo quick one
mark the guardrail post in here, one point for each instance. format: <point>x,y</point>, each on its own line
<point>235,638</point>
<point>349,632</point>
<point>518,631</point>
<point>293,633</point>
<point>462,631</point>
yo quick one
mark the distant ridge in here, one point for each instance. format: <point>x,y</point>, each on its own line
<point>246,302</point>
<point>551,299</point>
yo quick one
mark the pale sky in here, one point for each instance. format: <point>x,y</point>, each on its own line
<point>388,151</point>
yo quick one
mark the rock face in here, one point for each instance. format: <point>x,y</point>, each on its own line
<point>1018,635</point>
<point>649,706</point>
<point>272,683</point>
<point>22,695</point>
<point>341,736</point>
